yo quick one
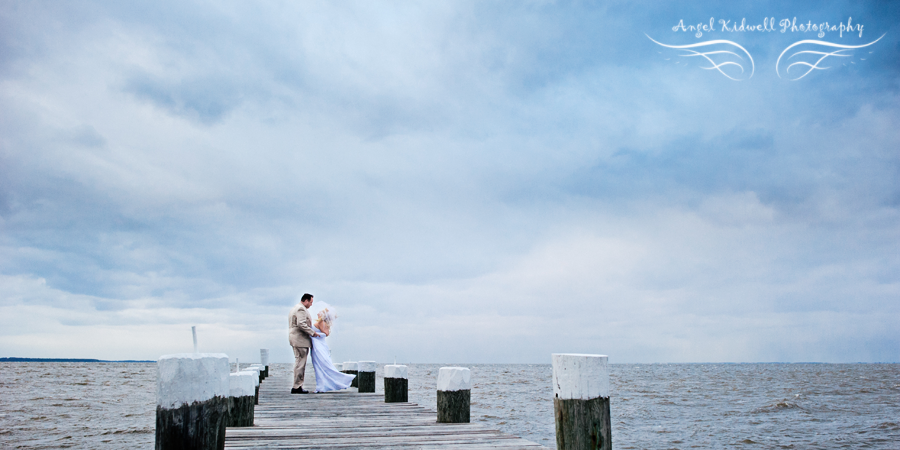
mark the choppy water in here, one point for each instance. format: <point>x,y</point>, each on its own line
<point>83,405</point>
<point>654,406</point>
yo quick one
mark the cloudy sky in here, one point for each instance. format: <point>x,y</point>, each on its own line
<point>463,181</point>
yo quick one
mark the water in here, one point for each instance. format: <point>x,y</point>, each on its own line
<point>654,406</point>
<point>77,405</point>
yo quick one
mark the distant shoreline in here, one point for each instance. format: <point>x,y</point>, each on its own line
<point>73,360</point>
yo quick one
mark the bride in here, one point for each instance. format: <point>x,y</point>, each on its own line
<point>328,378</point>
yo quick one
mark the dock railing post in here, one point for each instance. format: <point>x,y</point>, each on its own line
<point>366,376</point>
<point>581,401</point>
<point>192,401</point>
<point>264,361</point>
<point>352,368</point>
<point>241,398</point>
<point>396,384</point>
<point>454,394</point>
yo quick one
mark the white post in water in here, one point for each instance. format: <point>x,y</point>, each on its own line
<point>194,332</point>
<point>191,401</point>
<point>454,395</point>
<point>264,361</point>
<point>396,384</point>
<point>352,368</point>
<point>581,401</point>
<point>366,376</point>
<point>241,398</point>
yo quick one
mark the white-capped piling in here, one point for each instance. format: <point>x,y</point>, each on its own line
<point>454,394</point>
<point>259,368</point>
<point>264,361</point>
<point>366,376</point>
<point>192,401</point>
<point>254,371</point>
<point>241,398</point>
<point>352,368</point>
<point>581,401</point>
<point>396,384</point>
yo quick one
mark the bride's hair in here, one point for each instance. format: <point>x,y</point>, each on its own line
<point>327,316</point>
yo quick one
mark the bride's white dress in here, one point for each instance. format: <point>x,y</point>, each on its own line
<point>327,376</point>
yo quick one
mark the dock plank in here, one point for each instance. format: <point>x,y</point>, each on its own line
<point>349,419</point>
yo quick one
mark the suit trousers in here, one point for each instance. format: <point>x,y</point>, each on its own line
<point>300,354</point>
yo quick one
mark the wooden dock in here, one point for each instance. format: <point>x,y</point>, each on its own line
<point>348,419</point>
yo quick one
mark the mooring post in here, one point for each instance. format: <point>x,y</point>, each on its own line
<point>396,384</point>
<point>366,376</point>
<point>241,398</point>
<point>581,401</point>
<point>264,361</point>
<point>352,368</point>
<point>258,368</point>
<point>454,395</point>
<point>255,383</point>
<point>192,401</point>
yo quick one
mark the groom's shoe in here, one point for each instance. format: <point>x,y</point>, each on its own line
<point>299,391</point>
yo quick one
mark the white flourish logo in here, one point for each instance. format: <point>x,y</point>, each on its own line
<point>727,57</point>
<point>817,55</point>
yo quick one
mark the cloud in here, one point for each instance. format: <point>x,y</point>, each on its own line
<point>205,100</point>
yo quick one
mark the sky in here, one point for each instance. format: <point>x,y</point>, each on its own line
<point>463,182</point>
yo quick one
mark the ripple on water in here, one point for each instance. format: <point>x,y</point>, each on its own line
<point>892,426</point>
<point>779,406</point>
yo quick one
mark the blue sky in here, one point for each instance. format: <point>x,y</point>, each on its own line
<point>463,181</point>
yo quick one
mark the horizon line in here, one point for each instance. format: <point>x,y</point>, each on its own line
<point>29,359</point>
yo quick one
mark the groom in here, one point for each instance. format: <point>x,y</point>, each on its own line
<point>300,323</point>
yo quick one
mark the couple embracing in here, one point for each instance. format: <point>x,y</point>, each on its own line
<point>307,335</point>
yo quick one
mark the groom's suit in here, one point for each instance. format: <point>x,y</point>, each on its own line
<point>300,323</point>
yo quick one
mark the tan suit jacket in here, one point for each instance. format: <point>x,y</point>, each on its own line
<point>300,324</point>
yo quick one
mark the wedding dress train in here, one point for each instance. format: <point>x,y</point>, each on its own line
<point>327,376</point>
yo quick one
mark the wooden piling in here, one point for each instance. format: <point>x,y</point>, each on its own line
<point>351,367</point>
<point>192,401</point>
<point>454,395</point>
<point>256,384</point>
<point>264,361</point>
<point>258,369</point>
<point>396,384</point>
<point>581,402</point>
<point>241,399</point>
<point>366,376</point>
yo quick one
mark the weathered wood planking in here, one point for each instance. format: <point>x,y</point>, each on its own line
<point>348,419</point>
